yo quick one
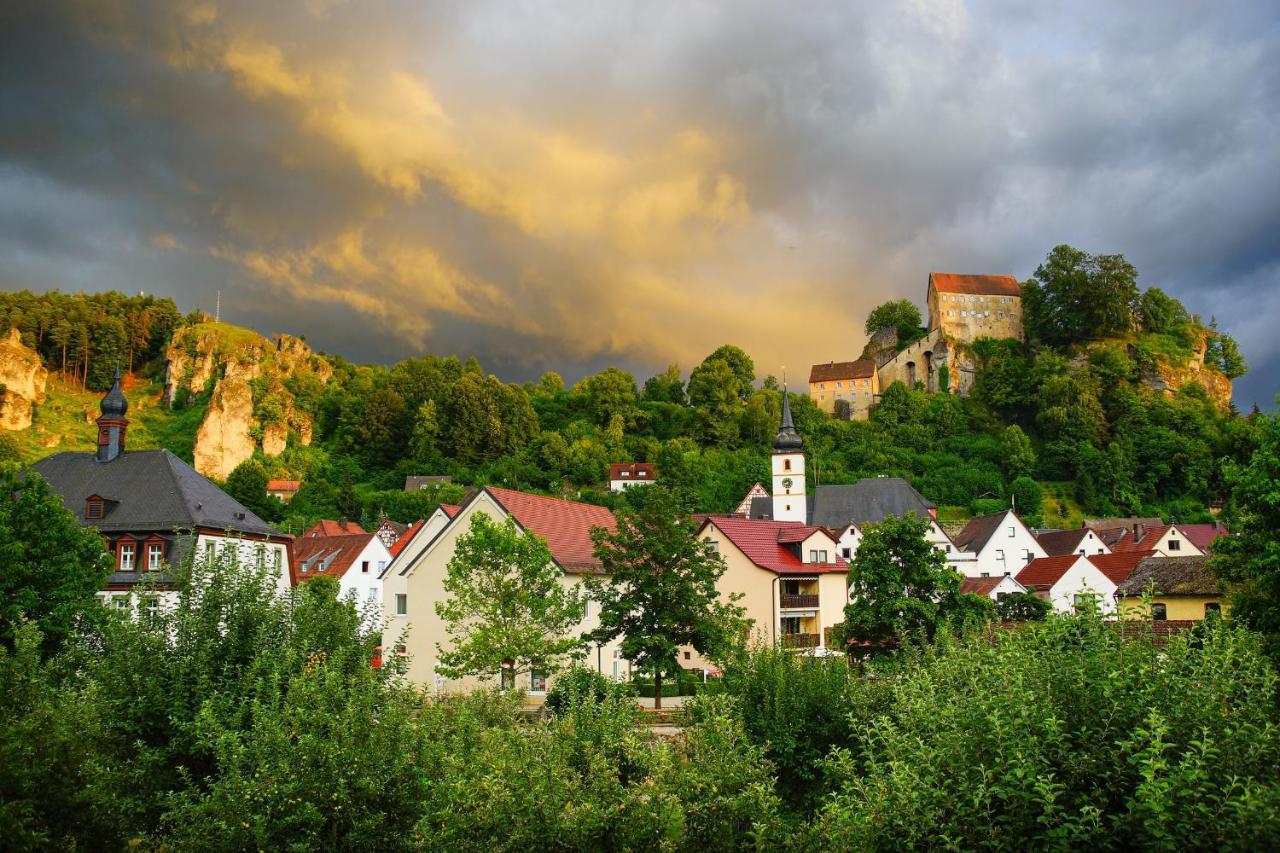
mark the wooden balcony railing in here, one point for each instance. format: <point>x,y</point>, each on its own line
<point>789,601</point>
<point>799,641</point>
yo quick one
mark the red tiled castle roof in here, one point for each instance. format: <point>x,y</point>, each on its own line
<point>982,285</point>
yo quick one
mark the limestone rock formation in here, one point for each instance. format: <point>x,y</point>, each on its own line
<point>250,406</point>
<point>22,382</point>
<point>1168,376</point>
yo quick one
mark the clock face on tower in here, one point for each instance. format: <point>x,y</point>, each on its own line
<point>786,483</point>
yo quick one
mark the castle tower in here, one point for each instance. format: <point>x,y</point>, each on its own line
<point>790,503</point>
<point>112,423</point>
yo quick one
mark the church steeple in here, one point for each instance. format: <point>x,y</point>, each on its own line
<point>790,501</point>
<point>112,424</point>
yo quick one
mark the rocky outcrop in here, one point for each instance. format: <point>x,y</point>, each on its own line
<point>22,382</point>
<point>250,405</point>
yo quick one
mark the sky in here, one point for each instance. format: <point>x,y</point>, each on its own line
<point>565,186</point>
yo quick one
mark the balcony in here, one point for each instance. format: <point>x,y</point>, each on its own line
<point>790,601</point>
<point>799,641</point>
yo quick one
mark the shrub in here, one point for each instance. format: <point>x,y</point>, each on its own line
<point>1066,734</point>
<point>581,681</point>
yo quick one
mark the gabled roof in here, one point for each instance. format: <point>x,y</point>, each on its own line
<point>1126,522</point>
<point>1058,543</point>
<point>1172,576</point>
<point>978,532</point>
<point>566,525</point>
<point>1146,539</point>
<point>1118,566</point>
<point>329,556</point>
<point>868,501</point>
<point>1203,535</point>
<point>863,368</point>
<point>982,285</point>
<point>329,527</point>
<point>1111,536</point>
<point>283,485</point>
<point>985,586</point>
<point>1044,572</point>
<point>450,509</point>
<point>757,491</point>
<point>632,471</point>
<point>407,537</point>
<point>762,543</point>
<point>152,490</point>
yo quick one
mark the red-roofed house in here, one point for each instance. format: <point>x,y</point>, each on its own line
<point>1077,540</point>
<point>1068,581</point>
<point>355,560</point>
<point>1117,567</point>
<point>991,588</point>
<point>416,580</point>
<point>968,307</point>
<point>1203,535</point>
<point>283,490</point>
<point>328,527</point>
<point>1168,539</point>
<point>793,584</point>
<point>855,382</point>
<point>624,475</point>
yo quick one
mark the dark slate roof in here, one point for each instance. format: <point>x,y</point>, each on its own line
<point>787,437</point>
<point>151,490</point>
<point>1172,576</point>
<point>868,501</point>
<point>762,508</point>
<point>979,531</point>
<point>114,404</point>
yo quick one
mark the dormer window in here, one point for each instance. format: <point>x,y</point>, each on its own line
<point>126,556</point>
<point>93,508</point>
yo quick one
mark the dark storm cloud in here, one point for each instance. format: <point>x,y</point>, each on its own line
<point>564,186</point>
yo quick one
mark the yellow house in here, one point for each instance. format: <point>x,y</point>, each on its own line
<point>419,583</point>
<point>1181,589</point>
<point>855,382</point>
<point>793,585</point>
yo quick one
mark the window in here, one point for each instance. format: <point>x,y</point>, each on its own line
<point>155,553</point>
<point>382,565</point>
<point>210,551</point>
<point>126,556</point>
<point>279,558</point>
<point>846,553</point>
<point>1159,612</point>
<point>260,555</point>
<point>402,604</point>
<point>786,466</point>
<point>1212,609</point>
<point>537,681</point>
<point>373,593</point>
<point>1085,602</point>
<point>687,656</point>
<point>986,574</point>
<point>1011,533</point>
<point>93,509</point>
<point>586,608</point>
<point>822,556</point>
<point>790,625</point>
<point>120,602</point>
<point>1175,545</point>
<point>507,679</point>
<point>1000,554</point>
<point>1081,552</point>
<point>149,605</point>
<point>364,566</point>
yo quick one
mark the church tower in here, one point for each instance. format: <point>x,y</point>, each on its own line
<point>112,423</point>
<point>790,503</point>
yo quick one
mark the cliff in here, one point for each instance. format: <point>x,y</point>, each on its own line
<point>22,382</point>
<point>250,405</point>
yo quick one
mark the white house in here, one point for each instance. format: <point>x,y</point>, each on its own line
<point>1001,543</point>
<point>1079,540</point>
<point>395,595</point>
<point>624,475</point>
<point>1069,583</point>
<point>993,587</point>
<point>356,560</point>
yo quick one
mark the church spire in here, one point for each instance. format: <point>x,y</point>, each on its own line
<point>112,423</point>
<point>787,438</point>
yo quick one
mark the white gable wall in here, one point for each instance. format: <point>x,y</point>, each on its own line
<point>1008,550</point>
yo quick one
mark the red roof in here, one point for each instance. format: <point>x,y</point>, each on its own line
<point>566,525</point>
<point>833,370</point>
<point>1044,572</point>
<point>762,541</point>
<point>326,527</point>
<point>1150,535</point>
<point>631,471</point>
<point>983,285</point>
<point>283,485</point>
<point>406,537</point>
<point>980,586</point>
<point>450,509</point>
<point>337,553</point>
<point>1203,535</point>
<point>1118,566</point>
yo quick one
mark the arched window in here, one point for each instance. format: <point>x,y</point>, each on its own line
<point>786,464</point>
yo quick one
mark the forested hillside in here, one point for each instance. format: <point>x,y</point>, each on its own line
<point>1109,408</point>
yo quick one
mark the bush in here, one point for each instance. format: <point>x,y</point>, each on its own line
<point>1065,734</point>
<point>584,682</point>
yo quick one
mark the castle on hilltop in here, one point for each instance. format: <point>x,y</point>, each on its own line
<point>962,309</point>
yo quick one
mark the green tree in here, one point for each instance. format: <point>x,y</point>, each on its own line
<point>1223,353</point>
<point>902,316</point>
<point>1023,607</point>
<point>247,483</point>
<point>610,392</point>
<point>1077,297</point>
<point>52,565</point>
<point>549,384</point>
<point>9,449</point>
<point>1028,497</point>
<point>715,391</point>
<point>1161,313</point>
<point>383,428</point>
<point>900,586</point>
<point>1016,453</point>
<point>1250,559</point>
<point>506,604</point>
<point>426,430</point>
<point>659,591</point>
<point>665,387</point>
<point>744,369</point>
